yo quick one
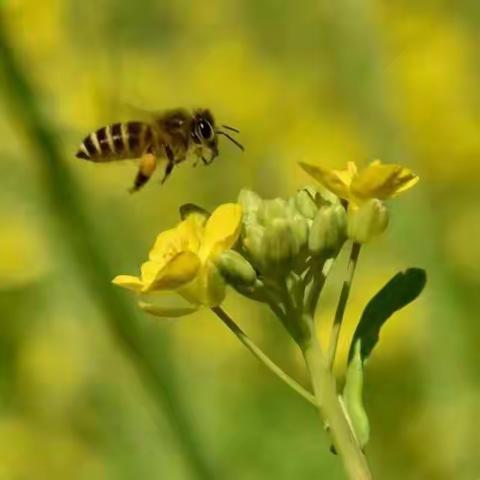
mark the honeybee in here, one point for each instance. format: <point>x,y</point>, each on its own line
<point>170,136</point>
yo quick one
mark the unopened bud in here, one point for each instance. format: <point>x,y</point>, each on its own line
<point>252,243</point>
<point>249,200</point>
<point>299,228</point>
<point>328,229</point>
<point>271,209</point>
<point>367,221</point>
<point>279,246</point>
<point>235,269</point>
<point>305,203</point>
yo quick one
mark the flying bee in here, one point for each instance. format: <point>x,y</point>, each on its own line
<point>171,136</point>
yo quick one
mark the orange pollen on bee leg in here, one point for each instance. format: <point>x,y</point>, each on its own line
<point>148,164</point>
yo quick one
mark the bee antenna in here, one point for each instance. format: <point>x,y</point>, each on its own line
<point>238,144</point>
<point>232,129</point>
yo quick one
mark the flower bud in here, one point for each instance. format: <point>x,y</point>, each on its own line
<point>252,243</point>
<point>328,229</point>
<point>299,228</point>
<point>367,221</point>
<point>305,203</point>
<point>249,200</point>
<point>279,246</point>
<point>235,269</point>
<point>271,209</point>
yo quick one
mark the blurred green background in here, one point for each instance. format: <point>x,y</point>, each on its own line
<point>92,389</point>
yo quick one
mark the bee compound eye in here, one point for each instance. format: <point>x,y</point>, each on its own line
<point>206,130</point>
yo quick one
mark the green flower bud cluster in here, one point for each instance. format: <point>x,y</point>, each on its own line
<point>280,235</point>
<point>281,249</point>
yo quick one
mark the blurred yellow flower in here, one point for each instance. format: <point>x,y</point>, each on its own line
<point>377,180</point>
<point>183,260</point>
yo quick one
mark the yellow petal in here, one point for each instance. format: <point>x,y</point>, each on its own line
<point>129,282</point>
<point>215,287</point>
<point>352,169</point>
<point>382,181</point>
<point>347,175</point>
<point>191,231</point>
<point>186,236</point>
<point>207,288</point>
<point>180,270</point>
<point>407,185</point>
<point>166,245</point>
<point>149,271</point>
<point>337,181</point>
<point>221,230</point>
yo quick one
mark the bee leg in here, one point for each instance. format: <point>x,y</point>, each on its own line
<point>148,163</point>
<point>168,171</point>
<point>170,164</point>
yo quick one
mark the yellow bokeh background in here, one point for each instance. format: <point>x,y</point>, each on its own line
<point>312,81</point>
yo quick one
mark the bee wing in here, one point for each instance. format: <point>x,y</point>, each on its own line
<point>171,120</point>
<point>131,110</point>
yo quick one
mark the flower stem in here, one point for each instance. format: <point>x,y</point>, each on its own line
<point>260,355</point>
<point>332,413</point>
<point>318,282</point>
<point>342,303</point>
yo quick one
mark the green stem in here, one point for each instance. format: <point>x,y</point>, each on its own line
<point>319,279</point>
<point>332,413</point>
<point>260,355</point>
<point>342,303</point>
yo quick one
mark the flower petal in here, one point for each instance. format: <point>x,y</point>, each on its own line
<point>221,230</point>
<point>346,176</point>
<point>186,236</point>
<point>407,183</point>
<point>166,244</point>
<point>129,282</point>
<point>191,230</point>
<point>382,181</point>
<point>180,270</point>
<point>149,270</point>
<point>337,181</point>
<point>207,288</point>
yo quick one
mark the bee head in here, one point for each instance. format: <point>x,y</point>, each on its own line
<point>204,131</point>
<point>206,134</point>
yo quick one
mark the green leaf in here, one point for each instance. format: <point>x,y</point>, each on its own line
<point>401,290</point>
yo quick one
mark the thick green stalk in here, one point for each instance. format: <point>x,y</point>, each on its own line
<point>260,355</point>
<point>332,413</point>
<point>74,231</point>
<point>342,304</point>
<point>318,282</point>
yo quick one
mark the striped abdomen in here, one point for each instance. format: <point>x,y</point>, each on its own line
<point>117,142</point>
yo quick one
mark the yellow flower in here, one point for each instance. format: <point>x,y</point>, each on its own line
<point>377,180</point>
<point>365,191</point>
<point>183,260</point>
